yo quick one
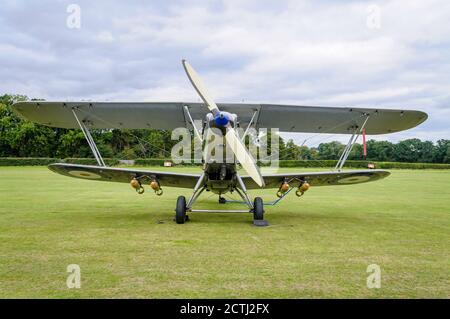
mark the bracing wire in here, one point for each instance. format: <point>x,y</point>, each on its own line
<point>327,131</point>
<point>140,140</point>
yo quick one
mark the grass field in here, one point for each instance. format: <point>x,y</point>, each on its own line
<point>317,246</point>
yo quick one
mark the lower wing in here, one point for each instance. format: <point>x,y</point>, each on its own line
<point>169,179</point>
<point>319,178</point>
<point>125,175</point>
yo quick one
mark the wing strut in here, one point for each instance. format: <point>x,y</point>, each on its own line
<point>249,125</point>
<point>348,148</point>
<point>90,140</point>
<point>196,130</point>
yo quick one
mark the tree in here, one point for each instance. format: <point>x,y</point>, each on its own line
<point>330,151</point>
<point>356,153</point>
<point>291,151</point>
<point>19,137</point>
<point>441,152</point>
<point>73,144</point>
<point>306,153</point>
<point>31,140</point>
<point>426,152</point>
<point>413,150</point>
<point>380,151</point>
<point>22,138</point>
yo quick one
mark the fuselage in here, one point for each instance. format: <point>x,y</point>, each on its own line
<point>219,165</point>
<point>220,177</point>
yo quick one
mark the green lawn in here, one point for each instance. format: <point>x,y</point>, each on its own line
<point>317,246</point>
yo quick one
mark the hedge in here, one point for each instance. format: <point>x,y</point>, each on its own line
<point>89,161</point>
<point>149,161</point>
<point>39,161</point>
<point>315,163</point>
<point>160,162</point>
<point>26,161</point>
<point>30,161</point>
<point>362,164</point>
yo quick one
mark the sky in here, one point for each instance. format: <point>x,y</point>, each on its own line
<point>383,54</point>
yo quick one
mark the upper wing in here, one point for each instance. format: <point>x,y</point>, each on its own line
<point>170,115</point>
<point>319,178</point>
<point>337,120</point>
<point>104,114</point>
<point>125,175</point>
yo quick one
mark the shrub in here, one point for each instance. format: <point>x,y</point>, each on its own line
<point>363,164</point>
<point>158,162</point>
<point>26,161</point>
<point>42,161</point>
<point>33,161</point>
<point>90,161</point>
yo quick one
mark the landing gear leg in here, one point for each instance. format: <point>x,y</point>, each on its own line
<point>257,207</point>
<point>182,207</point>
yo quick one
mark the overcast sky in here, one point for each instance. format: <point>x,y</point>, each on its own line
<point>354,53</point>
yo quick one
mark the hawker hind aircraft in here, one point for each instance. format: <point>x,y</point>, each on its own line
<point>219,177</point>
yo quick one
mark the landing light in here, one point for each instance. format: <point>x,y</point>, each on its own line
<point>302,189</point>
<point>137,186</point>
<point>283,189</point>
<point>156,187</point>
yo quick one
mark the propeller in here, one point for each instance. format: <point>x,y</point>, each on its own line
<point>198,85</point>
<point>232,138</point>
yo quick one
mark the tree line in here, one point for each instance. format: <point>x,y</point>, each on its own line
<point>22,138</point>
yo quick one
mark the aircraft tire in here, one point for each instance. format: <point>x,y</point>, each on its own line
<point>258,209</point>
<point>180,211</point>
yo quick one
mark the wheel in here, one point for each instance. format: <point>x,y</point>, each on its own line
<point>222,200</point>
<point>258,209</point>
<point>180,211</point>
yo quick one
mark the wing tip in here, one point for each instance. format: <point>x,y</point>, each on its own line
<point>423,118</point>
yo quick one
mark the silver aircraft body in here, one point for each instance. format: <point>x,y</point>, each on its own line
<point>221,176</point>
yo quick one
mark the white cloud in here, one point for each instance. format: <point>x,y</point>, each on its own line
<point>299,52</point>
<point>104,36</point>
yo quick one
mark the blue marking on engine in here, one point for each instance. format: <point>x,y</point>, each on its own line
<point>221,119</point>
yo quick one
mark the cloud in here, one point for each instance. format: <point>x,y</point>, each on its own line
<point>297,52</point>
<point>104,37</point>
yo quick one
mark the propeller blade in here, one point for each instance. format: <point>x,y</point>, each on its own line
<point>198,85</point>
<point>233,140</point>
<point>243,156</point>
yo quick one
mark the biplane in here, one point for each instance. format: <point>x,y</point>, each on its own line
<point>219,177</point>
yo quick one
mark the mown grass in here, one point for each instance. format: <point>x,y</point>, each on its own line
<point>317,246</point>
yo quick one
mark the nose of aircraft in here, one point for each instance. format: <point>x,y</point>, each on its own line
<point>221,119</point>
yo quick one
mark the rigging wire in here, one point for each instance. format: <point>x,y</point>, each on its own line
<point>140,140</point>
<point>327,131</point>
